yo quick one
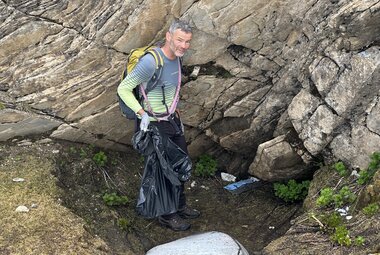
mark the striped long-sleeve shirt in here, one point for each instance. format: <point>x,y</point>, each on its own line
<point>142,73</point>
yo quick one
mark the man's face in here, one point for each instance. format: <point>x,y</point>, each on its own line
<point>179,42</point>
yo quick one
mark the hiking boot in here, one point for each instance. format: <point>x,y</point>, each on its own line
<point>188,213</point>
<point>174,222</point>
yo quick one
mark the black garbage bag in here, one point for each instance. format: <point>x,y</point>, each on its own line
<point>166,165</point>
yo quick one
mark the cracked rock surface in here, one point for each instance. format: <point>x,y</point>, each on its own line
<point>309,67</point>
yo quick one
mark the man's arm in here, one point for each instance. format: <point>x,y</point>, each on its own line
<point>143,72</point>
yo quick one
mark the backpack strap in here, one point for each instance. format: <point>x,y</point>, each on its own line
<point>173,106</point>
<point>152,83</point>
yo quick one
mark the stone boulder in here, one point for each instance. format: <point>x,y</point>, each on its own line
<point>276,160</point>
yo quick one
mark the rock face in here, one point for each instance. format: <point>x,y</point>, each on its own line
<point>267,68</point>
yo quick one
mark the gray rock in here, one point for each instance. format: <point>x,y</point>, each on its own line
<point>356,146</point>
<point>45,141</point>
<point>352,90</point>
<point>276,160</point>
<point>22,209</point>
<point>212,243</point>
<point>373,119</point>
<point>301,108</point>
<point>319,129</point>
<point>18,123</point>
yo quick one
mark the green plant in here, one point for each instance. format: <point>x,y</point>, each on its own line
<point>2,106</point>
<point>359,241</point>
<point>82,153</point>
<point>332,223</point>
<point>340,168</point>
<point>326,197</point>
<point>366,175</point>
<point>124,224</point>
<point>371,209</point>
<point>292,191</point>
<point>341,236</point>
<point>343,197</point>
<point>72,150</point>
<point>332,220</point>
<point>112,199</point>
<point>374,164</point>
<point>206,166</point>
<point>100,158</point>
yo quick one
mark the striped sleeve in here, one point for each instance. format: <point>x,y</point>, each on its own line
<point>143,72</point>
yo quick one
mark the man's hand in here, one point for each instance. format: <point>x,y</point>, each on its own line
<point>144,122</point>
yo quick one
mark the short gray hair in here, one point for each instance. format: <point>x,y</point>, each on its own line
<point>180,24</point>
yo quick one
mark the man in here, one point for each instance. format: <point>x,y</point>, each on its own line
<point>161,101</point>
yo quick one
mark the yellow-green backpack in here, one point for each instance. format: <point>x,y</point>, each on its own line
<point>134,56</point>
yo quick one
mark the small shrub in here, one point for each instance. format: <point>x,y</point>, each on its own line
<point>326,197</point>
<point>112,199</point>
<point>100,158</point>
<point>2,106</point>
<point>340,168</point>
<point>371,209</point>
<point>206,166</point>
<point>341,236</point>
<point>292,191</point>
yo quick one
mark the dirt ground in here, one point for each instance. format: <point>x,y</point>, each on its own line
<point>70,217</point>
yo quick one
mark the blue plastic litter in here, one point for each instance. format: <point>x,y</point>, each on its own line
<point>243,185</point>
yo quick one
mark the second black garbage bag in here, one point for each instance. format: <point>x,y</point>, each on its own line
<point>166,166</point>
